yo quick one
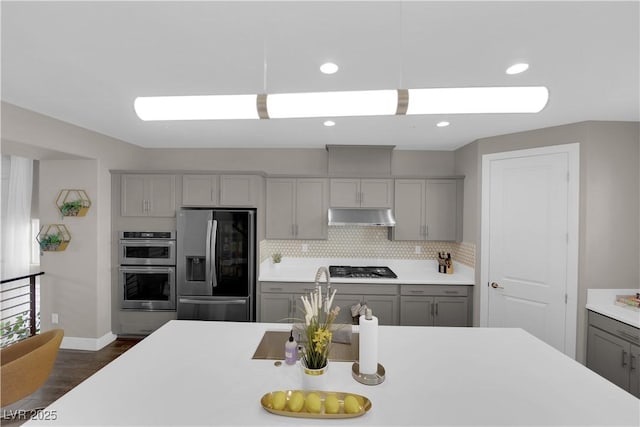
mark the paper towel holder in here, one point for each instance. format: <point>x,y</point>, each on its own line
<point>368,379</point>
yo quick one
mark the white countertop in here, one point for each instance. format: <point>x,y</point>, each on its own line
<point>417,272</point>
<point>201,373</point>
<point>603,301</point>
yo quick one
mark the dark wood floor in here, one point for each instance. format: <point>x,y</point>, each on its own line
<point>71,368</point>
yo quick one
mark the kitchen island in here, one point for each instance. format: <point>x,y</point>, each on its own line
<point>202,373</point>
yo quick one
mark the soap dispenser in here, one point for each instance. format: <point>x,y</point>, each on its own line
<point>290,350</point>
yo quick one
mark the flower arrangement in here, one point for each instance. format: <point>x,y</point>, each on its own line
<point>318,318</point>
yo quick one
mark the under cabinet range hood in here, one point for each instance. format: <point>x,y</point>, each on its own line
<point>372,217</point>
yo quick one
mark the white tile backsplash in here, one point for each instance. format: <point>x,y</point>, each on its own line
<point>366,242</point>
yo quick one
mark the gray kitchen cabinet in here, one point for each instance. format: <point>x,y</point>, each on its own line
<point>427,305</point>
<point>276,307</point>
<point>416,311</point>
<point>634,371</point>
<point>200,190</point>
<point>385,307</point>
<point>239,190</point>
<point>220,190</point>
<point>282,300</point>
<point>296,208</point>
<point>612,351</point>
<point>148,195</point>
<point>428,209</point>
<point>361,193</point>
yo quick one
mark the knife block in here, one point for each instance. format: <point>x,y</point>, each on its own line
<point>445,269</point>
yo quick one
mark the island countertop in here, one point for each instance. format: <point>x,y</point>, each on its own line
<point>409,272</point>
<point>201,373</point>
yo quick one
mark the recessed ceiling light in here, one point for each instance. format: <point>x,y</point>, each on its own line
<point>329,123</point>
<point>329,68</point>
<point>442,124</point>
<point>517,68</point>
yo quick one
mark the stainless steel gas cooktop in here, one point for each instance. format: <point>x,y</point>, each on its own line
<point>345,271</point>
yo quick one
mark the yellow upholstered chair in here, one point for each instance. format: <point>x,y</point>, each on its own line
<point>26,365</point>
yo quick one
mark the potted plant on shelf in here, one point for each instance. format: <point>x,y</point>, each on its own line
<point>71,208</point>
<point>51,242</point>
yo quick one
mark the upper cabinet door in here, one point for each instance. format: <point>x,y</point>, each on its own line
<point>345,193</point>
<point>311,209</point>
<point>442,209</point>
<point>148,195</point>
<point>239,190</point>
<point>133,199</point>
<point>409,209</point>
<point>376,193</point>
<point>199,190</point>
<point>162,195</point>
<point>280,208</point>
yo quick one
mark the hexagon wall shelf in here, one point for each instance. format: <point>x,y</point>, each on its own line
<point>53,237</point>
<point>73,202</point>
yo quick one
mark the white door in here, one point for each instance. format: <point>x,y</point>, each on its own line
<point>529,234</point>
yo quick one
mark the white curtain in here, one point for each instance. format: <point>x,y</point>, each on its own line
<point>16,225</point>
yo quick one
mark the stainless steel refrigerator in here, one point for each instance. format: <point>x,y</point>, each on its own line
<point>215,264</point>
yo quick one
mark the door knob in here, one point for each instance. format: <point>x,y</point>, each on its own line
<point>494,285</point>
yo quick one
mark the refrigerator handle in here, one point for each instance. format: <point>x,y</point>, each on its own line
<point>207,248</point>
<point>212,252</point>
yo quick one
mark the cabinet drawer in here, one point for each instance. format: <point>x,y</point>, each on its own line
<point>622,330</point>
<point>286,287</point>
<point>365,289</point>
<point>451,291</point>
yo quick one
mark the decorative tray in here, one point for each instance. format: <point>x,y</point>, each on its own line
<point>315,406</point>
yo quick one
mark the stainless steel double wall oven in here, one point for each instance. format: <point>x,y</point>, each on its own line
<point>147,272</point>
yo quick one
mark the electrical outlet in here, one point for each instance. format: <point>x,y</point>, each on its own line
<point>418,250</point>
<point>305,247</point>
<point>54,318</point>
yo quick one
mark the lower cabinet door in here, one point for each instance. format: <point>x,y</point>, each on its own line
<point>609,356</point>
<point>451,311</point>
<point>416,311</point>
<point>384,307</point>
<point>275,308</point>
<point>345,302</point>
<point>634,375</point>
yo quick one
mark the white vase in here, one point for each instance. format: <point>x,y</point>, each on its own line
<point>314,379</point>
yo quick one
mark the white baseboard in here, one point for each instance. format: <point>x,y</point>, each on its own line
<point>91,344</point>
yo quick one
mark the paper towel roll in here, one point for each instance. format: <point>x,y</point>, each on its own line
<point>368,344</point>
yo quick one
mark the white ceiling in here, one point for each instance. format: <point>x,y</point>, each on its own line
<point>85,62</point>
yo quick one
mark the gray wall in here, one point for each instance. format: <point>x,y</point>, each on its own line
<point>609,246</point>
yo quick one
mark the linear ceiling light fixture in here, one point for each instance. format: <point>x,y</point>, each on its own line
<point>471,100</point>
<point>208,107</point>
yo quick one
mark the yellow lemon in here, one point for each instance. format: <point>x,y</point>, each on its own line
<point>331,404</point>
<point>296,401</point>
<point>278,400</point>
<point>351,405</point>
<point>313,403</point>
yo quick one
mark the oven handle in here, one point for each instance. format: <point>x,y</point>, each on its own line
<point>211,302</point>
<point>146,269</point>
